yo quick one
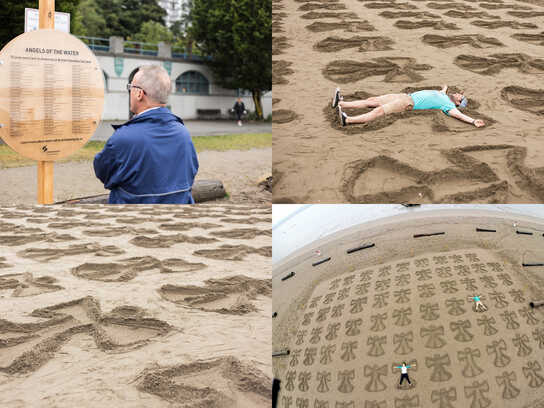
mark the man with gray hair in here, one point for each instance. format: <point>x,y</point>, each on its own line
<point>151,158</point>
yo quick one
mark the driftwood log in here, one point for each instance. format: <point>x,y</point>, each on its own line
<point>203,190</point>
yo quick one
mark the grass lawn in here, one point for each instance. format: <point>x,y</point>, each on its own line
<point>242,141</point>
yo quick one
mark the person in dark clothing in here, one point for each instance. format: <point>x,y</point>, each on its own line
<point>404,373</point>
<point>151,158</point>
<point>239,108</point>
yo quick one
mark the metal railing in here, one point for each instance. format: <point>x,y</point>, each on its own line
<point>141,48</point>
<point>96,43</point>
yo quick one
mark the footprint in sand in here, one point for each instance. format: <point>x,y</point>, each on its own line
<point>279,44</point>
<point>530,100</point>
<point>232,295</point>
<point>20,239</point>
<point>186,226</point>
<point>314,15</point>
<point>117,231</point>
<point>492,25</point>
<point>535,2</point>
<point>394,69</point>
<point>128,269</point>
<point>436,25</point>
<point>348,26</point>
<point>526,14</point>
<point>536,39</point>
<point>393,5</point>
<point>500,5</point>
<point>50,254</point>
<point>283,116</point>
<point>333,44</point>
<point>233,252</point>
<point>280,69</point>
<point>452,6</point>
<point>28,346</point>
<point>166,241</point>
<point>495,63</point>
<point>414,184</point>
<point>242,233</point>
<point>322,6</point>
<point>220,383</point>
<point>3,263</point>
<point>24,284</point>
<point>470,14</point>
<point>250,220</point>
<point>415,14</point>
<point>474,40</point>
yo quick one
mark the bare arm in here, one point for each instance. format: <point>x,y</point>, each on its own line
<point>444,89</point>
<point>455,113</point>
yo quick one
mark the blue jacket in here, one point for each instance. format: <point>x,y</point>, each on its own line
<point>150,159</point>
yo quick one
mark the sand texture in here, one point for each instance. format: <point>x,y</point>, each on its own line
<point>132,306</point>
<point>77,179</point>
<point>349,321</point>
<point>491,50</point>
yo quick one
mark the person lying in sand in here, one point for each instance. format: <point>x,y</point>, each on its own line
<point>392,103</point>
<point>479,305</point>
<point>404,373</point>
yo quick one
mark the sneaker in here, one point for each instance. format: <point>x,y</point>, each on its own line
<point>336,98</point>
<point>343,116</point>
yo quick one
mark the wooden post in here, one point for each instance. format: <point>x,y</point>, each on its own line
<point>45,168</point>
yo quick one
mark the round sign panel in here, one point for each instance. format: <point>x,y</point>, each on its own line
<point>51,94</point>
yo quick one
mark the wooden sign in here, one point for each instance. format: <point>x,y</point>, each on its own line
<point>51,94</point>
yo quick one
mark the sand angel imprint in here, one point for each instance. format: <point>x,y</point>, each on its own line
<point>326,352</point>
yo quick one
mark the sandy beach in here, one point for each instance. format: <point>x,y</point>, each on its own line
<point>399,290</point>
<point>491,50</point>
<point>132,306</point>
<point>239,171</point>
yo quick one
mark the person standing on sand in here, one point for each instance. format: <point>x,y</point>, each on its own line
<point>151,158</point>
<point>392,103</point>
<point>404,373</point>
<point>479,304</point>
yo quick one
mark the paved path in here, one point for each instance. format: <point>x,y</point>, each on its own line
<point>196,128</point>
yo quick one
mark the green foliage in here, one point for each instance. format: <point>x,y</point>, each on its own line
<point>12,15</point>
<point>153,32</point>
<point>238,37</point>
<point>123,18</point>
<point>93,23</point>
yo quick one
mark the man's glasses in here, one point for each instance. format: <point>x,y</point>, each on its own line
<point>134,86</point>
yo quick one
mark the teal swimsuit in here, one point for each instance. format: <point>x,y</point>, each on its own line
<point>432,100</point>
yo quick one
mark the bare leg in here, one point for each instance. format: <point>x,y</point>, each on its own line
<point>363,103</point>
<point>366,117</point>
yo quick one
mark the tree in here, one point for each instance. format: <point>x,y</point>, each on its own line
<point>123,18</point>
<point>12,15</point>
<point>238,37</point>
<point>153,32</point>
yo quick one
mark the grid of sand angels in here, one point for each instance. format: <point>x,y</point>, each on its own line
<point>358,327</point>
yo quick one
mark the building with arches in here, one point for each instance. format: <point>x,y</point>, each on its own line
<point>194,87</point>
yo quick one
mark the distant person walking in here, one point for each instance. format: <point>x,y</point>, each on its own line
<point>404,373</point>
<point>240,109</point>
<point>479,305</point>
<point>393,103</point>
<point>151,158</point>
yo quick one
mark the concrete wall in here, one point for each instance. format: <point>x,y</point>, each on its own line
<point>185,106</point>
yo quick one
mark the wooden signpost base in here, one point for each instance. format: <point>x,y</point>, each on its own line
<point>45,169</point>
<point>45,182</point>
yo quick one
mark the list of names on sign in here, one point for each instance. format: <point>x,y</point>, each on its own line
<point>51,94</point>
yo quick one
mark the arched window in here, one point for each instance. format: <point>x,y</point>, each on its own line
<point>192,82</point>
